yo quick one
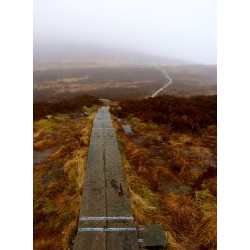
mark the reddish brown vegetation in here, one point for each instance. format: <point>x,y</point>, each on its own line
<point>183,114</point>
<point>171,170</point>
<point>210,173</point>
<point>112,83</point>
<point>119,74</point>
<point>58,176</point>
<point>192,80</point>
<point>42,109</point>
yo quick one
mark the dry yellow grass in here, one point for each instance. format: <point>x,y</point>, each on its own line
<point>75,168</point>
<point>173,244</point>
<point>154,158</point>
<point>182,212</point>
<point>58,180</point>
<point>41,144</point>
<point>141,198</point>
<point>205,233</point>
<point>141,208</point>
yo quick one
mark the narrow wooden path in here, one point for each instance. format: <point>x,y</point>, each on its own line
<point>106,220</point>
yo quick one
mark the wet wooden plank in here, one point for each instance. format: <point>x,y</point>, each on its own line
<point>94,195</point>
<point>124,240</point>
<point>106,220</point>
<point>90,241</point>
<point>118,203</point>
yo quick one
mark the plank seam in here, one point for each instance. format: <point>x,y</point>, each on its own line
<point>107,218</point>
<point>103,229</point>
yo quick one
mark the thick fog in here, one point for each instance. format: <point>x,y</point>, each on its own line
<point>180,29</point>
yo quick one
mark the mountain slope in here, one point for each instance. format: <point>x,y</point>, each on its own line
<point>68,54</point>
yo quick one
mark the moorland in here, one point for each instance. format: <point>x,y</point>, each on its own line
<point>170,160</point>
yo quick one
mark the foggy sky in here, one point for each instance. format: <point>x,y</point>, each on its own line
<point>181,29</point>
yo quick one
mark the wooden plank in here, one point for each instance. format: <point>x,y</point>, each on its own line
<point>94,195</point>
<point>118,203</point>
<point>90,241</point>
<point>125,240</point>
<point>106,220</point>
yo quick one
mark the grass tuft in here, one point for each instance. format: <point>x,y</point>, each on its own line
<point>205,231</point>
<point>182,210</point>
<point>48,125</point>
<point>58,181</point>
<point>170,181</point>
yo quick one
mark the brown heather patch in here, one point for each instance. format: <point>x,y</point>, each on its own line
<point>173,244</point>
<point>170,181</point>
<point>206,230</point>
<point>40,145</point>
<point>182,212</point>
<point>58,180</point>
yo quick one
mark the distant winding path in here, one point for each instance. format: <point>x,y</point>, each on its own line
<point>159,90</point>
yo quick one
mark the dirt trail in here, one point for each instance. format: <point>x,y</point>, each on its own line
<point>106,220</point>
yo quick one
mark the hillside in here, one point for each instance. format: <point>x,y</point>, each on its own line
<point>191,80</point>
<point>65,56</point>
<point>124,82</point>
<point>102,82</point>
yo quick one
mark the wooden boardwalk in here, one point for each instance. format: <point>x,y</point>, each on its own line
<point>106,220</point>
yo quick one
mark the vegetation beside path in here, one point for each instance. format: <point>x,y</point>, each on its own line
<point>60,153</point>
<point>171,167</point>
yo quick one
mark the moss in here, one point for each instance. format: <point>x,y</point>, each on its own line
<point>207,207</point>
<point>203,194</point>
<point>49,125</point>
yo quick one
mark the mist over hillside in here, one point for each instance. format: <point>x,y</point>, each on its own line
<point>66,54</point>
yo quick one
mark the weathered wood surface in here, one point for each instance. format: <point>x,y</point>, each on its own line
<point>105,220</point>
